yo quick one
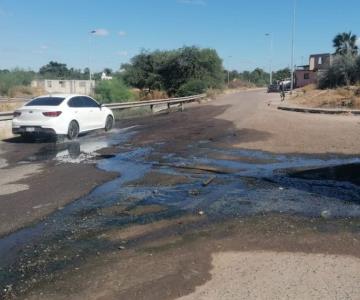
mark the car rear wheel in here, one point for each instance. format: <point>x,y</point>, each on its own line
<point>109,123</point>
<point>73,130</point>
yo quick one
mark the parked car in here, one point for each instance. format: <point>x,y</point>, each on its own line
<point>273,88</point>
<point>61,115</point>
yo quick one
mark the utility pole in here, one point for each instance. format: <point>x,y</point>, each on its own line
<point>271,50</point>
<point>90,35</point>
<point>293,46</point>
<point>228,73</point>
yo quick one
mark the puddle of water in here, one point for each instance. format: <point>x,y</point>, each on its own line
<point>84,148</point>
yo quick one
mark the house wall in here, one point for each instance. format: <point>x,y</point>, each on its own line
<point>83,87</point>
<point>319,61</point>
<point>304,77</point>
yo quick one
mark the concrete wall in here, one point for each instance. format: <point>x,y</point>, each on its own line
<point>5,129</point>
<point>304,77</point>
<point>319,61</point>
<point>83,87</point>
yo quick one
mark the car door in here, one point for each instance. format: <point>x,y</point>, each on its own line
<point>79,112</point>
<point>95,116</point>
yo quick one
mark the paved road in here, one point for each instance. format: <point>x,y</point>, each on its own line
<point>155,231</point>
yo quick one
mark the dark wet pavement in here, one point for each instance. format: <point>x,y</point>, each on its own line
<point>254,183</point>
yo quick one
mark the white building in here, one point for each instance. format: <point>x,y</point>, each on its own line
<point>83,87</point>
<point>105,77</point>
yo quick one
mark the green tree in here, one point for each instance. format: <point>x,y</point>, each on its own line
<point>343,71</point>
<point>54,70</point>
<point>113,90</point>
<point>191,63</point>
<point>192,87</point>
<point>169,70</point>
<point>345,43</point>
<point>142,72</point>
<point>282,74</point>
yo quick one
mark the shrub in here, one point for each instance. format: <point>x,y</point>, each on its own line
<point>114,90</point>
<point>192,87</point>
<point>10,79</point>
<point>345,70</point>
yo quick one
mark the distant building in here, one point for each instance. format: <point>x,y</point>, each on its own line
<point>309,74</point>
<point>51,86</point>
<point>105,77</point>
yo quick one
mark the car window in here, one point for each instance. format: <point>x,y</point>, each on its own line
<point>76,102</point>
<point>88,102</point>
<point>46,101</point>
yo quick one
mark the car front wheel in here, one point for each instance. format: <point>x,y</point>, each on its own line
<point>73,130</point>
<point>109,123</point>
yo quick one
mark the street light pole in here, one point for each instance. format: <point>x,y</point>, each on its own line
<point>228,73</point>
<point>91,32</point>
<point>293,46</point>
<point>271,50</point>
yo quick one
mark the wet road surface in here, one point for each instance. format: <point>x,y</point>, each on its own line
<point>219,182</point>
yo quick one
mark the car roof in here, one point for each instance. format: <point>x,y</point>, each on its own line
<point>66,96</point>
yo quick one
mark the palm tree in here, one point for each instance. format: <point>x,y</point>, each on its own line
<point>345,43</point>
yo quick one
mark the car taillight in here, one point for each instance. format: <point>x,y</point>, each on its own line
<point>52,113</point>
<point>17,114</point>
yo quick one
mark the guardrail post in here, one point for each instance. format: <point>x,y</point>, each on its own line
<point>182,106</point>
<point>152,108</point>
<point>168,106</point>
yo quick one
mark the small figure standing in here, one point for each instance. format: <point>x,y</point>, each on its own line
<point>282,92</point>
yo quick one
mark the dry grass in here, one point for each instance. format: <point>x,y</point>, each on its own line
<point>24,91</point>
<point>10,106</point>
<point>310,96</point>
<point>153,95</point>
<point>239,84</point>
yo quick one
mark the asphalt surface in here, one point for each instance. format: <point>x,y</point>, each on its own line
<point>169,202</point>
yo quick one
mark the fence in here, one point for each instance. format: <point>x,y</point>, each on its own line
<point>7,115</point>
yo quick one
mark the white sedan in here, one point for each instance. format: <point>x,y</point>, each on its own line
<point>60,114</point>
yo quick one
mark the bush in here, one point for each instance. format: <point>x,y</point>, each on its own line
<point>114,90</point>
<point>345,70</point>
<point>169,70</point>
<point>11,79</point>
<point>192,87</point>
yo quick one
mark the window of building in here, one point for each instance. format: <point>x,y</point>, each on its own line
<point>49,84</point>
<point>320,60</point>
<point>306,76</point>
<point>62,83</point>
<point>82,84</point>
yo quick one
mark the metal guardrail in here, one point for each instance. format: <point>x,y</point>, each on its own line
<point>8,115</point>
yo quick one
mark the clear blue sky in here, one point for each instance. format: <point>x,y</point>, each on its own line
<point>34,32</point>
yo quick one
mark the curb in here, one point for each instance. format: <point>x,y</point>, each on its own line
<point>328,111</point>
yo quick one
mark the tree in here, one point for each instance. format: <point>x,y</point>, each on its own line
<point>108,71</point>
<point>113,90</point>
<point>282,74</point>
<point>142,72</point>
<point>345,43</point>
<point>54,70</point>
<point>343,71</point>
<point>169,70</point>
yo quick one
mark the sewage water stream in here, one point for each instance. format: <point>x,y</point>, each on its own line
<point>254,183</point>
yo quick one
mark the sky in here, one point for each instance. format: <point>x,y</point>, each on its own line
<point>33,32</point>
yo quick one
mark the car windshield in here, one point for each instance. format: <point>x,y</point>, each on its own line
<point>46,101</point>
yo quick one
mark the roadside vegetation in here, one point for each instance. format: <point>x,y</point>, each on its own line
<point>149,75</point>
<point>179,72</point>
